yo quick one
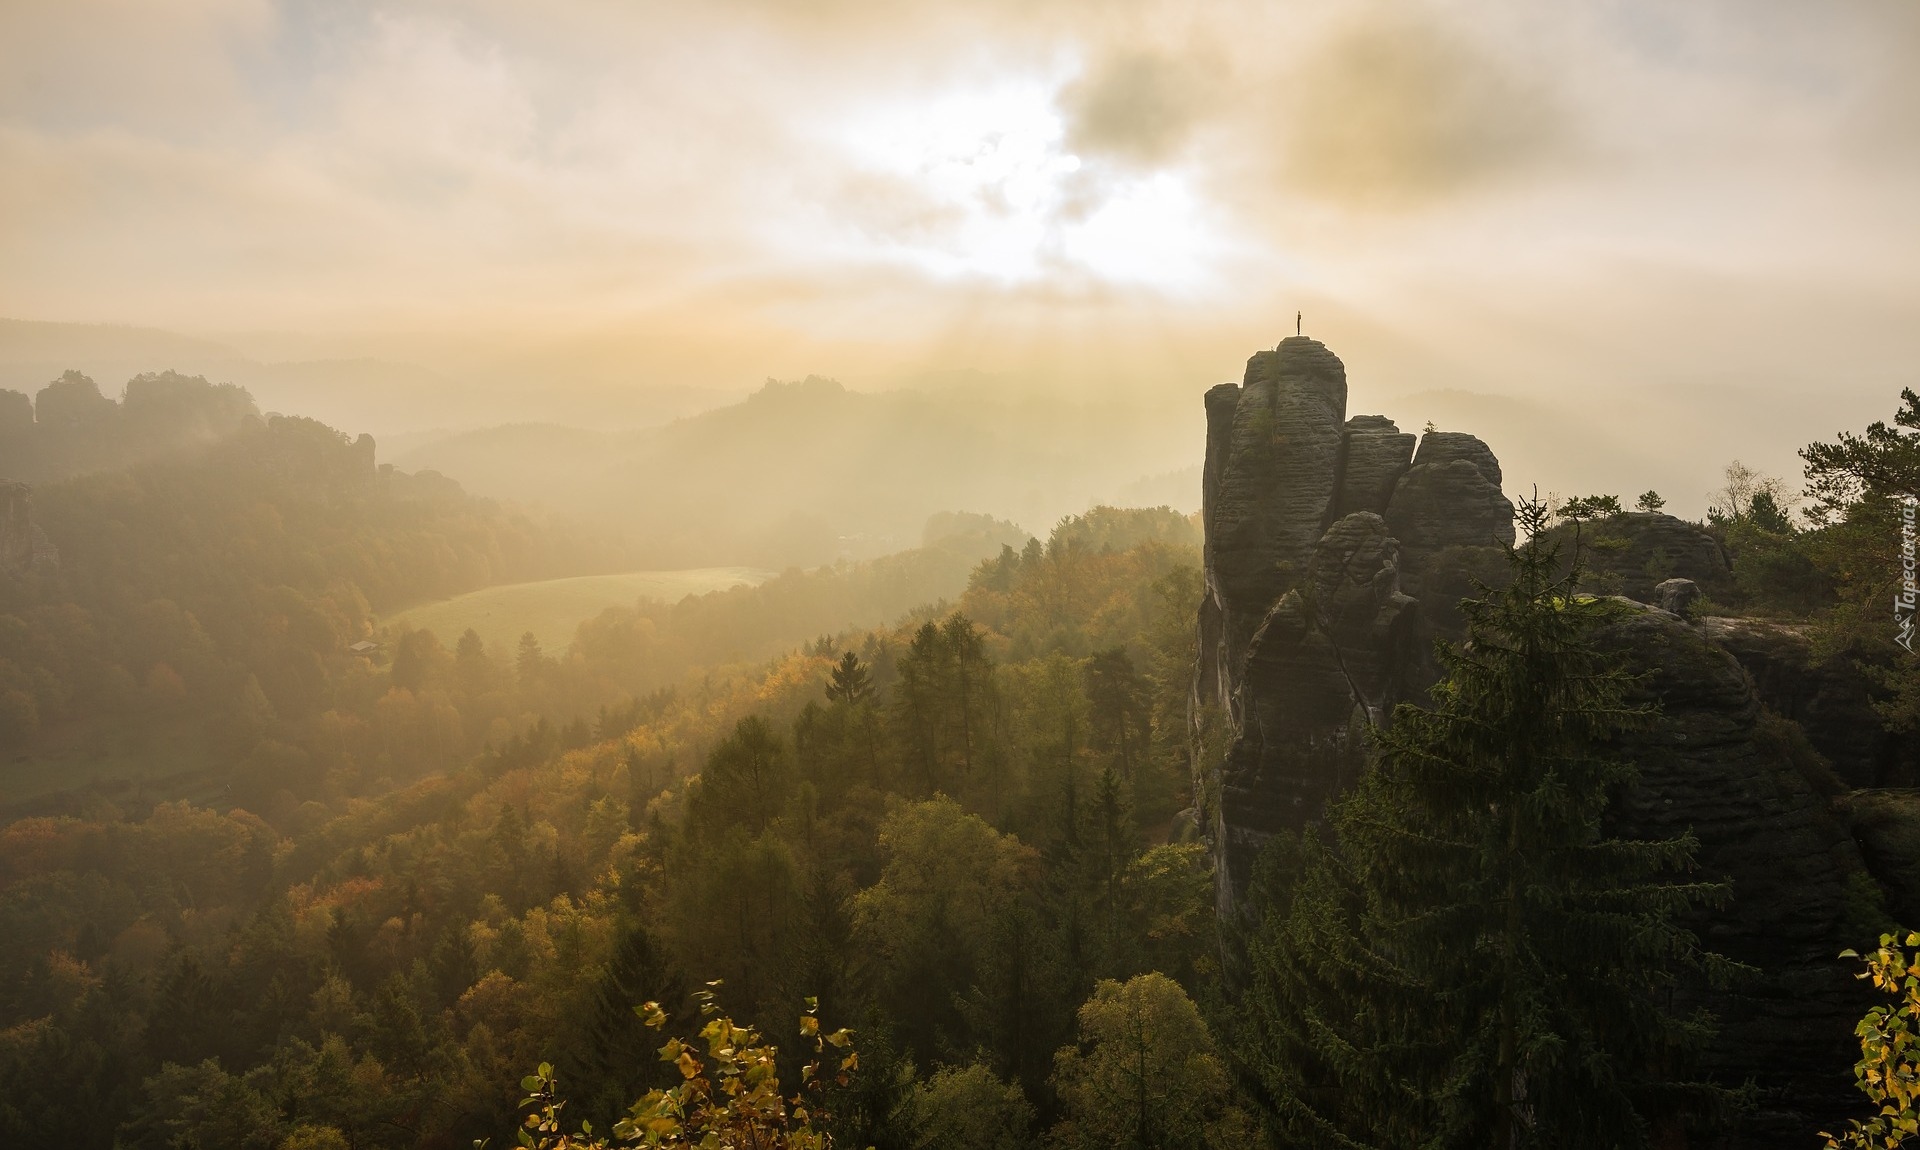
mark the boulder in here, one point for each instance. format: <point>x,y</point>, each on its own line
<point>1676,596</point>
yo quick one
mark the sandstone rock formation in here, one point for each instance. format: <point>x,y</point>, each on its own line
<point>1337,550</point>
<point>1801,891</point>
<point>1320,530</point>
<point>1632,553</point>
<point>1377,455</point>
<point>1826,694</point>
<point>1676,595</point>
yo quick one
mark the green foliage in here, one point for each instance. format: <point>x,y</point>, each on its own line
<point>1589,507</point>
<point>1883,463</point>
<point>748,780</point>
<point>1859,485</point>
<point>969,1108</point>
<point>1145,1074</point>
<point>205,605</point>
<point>850,684</point>
<point>456,859</point>
<point>930,921</point>
<point>1122,529</point>
<point>1888,1072</point>
<point>1471,960</point>
<point>1650,501</point>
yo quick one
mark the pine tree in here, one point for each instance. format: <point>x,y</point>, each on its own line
<point>851,684</point>
<point>1469,959</point>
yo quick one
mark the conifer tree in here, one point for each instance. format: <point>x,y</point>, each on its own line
<point>614,1052</point>
<point>1469,958</point>
<point>851,683</point>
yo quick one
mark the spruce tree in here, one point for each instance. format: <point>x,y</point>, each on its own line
<point>614,1055</point>
<point>1467,958</point>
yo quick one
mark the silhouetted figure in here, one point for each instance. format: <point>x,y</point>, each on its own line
<point>1296,323</point>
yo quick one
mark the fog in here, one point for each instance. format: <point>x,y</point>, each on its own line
<point>1623,242</point>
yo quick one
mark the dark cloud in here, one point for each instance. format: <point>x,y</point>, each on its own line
<point>1137,106</point>
<point>1395,111</point>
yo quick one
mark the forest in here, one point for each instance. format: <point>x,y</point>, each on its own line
<point>327,898</point>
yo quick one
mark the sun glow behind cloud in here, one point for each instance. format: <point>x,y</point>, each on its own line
<point>997,195</point>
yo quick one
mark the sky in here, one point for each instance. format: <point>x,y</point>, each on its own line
<point>1675,212</point>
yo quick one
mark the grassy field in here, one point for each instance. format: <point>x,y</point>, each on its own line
<point>552,608</point>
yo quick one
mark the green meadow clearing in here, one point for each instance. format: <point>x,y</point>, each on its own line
<point>552,608</point>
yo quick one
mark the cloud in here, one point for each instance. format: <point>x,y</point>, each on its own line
<point>1396,111</point>
<point>713,193</point>
<point>1139,105</point>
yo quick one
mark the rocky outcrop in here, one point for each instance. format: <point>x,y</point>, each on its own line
<point>1269,485</point>
<point>1800,890</point>
<point>1320,532</point>
<point>1337,551</point>
<point>1828,695</point>
<point>1377,454</point>
<point>1327,660</point>
<point>1634,552</point>
<point>1676,596</point>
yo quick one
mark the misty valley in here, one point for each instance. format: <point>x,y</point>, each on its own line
<point>1377,801</point>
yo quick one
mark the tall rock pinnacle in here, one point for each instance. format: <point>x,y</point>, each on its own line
<point>1306,632</point>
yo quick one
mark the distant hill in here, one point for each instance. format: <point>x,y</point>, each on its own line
<point>810,472</point>
<point>354,393</point>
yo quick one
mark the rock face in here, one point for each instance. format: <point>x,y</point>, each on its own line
<point>1319,531</point>
<point>1377,455</point>
<point>1273,454</point>
<point>1329,657</point>
<point>1800,889</point>
<point>1828,696</point>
